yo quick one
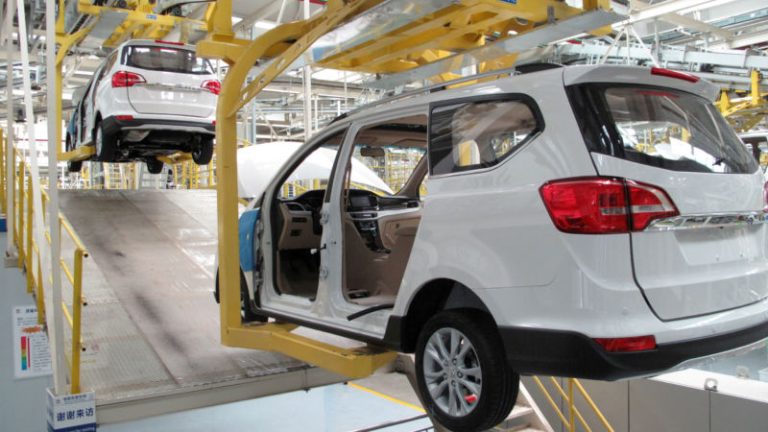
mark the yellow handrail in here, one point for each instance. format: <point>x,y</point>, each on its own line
<point>29,255</point>
<point>574,414</point>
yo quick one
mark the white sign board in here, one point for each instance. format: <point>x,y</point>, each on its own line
<point>72,413</point>
<point>31,352</point>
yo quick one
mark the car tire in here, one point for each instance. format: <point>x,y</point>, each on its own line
<point>462,372</point>
<point>73,167</point>
<point>203,152</point>
<point>154,166</point>
<point>246,313</point>
<point>106,146</point>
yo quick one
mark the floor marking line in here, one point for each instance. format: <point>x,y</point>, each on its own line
<point>389,398</point>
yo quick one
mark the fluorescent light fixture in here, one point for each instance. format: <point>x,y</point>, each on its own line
<point>266,25</point>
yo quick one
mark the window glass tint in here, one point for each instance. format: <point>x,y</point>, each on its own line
<point>674,130</point>
<point>386,156</point>
<point>478,134</point>
<point>167,60</point>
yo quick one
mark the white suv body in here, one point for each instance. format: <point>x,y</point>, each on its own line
<point>148,99</point>
<point>588,221</point>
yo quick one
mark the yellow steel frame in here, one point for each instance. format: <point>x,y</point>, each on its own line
<point>30,260</point>
<point>463,25</point>
<point>567,396</point>
<point>746,114</point>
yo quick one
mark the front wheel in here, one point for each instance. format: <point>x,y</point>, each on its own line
<point>203,152</point>
<point>72,166</point>
<point>154,166</point>
<point>246,308</point>
<point>462,372</point>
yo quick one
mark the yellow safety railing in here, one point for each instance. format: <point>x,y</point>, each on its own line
<point>29,253</point>
<point>573,413</point>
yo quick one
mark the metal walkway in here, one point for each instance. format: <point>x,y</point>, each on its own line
<point>151,327</point>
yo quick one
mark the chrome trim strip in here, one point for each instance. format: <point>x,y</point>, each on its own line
<point>710,220</point>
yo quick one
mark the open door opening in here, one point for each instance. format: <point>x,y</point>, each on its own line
<point>381,208</point>
<point>296,218</point>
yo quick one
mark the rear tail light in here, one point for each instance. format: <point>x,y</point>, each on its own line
<point>669,73</point>
<point>765,197</point>
<point>126,79</point>
<point>648,203</point>
<point>627,344</point>
<point>212,86</point>
<point>599,205</point>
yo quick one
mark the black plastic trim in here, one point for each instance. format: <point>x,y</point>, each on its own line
<point>564,353</point>
<point>370,310</point>
<point>113,126</point>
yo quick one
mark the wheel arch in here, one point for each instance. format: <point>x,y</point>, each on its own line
<point>432,297</point>
<point>96,121</point>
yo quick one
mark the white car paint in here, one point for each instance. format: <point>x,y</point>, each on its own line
<point>166,100</point>
<point>489,230</point>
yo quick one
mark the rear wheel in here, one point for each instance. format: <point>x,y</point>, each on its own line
<point>105,145</point>
<point>154,166</point>
<point>203,152</point>
<point>462,372</point>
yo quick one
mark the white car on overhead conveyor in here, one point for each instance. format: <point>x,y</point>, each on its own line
<point>602,222</point>
<point>148,99</point>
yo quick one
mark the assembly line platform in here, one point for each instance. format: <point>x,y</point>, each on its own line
<point>151,330</point>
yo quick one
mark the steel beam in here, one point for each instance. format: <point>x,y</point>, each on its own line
<point>542,35</point>
<point>667,7</point>
<point>739,59</point>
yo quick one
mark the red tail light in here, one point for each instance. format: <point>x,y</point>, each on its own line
<point>126,79</point>
<point>669,73</point>
<point>601,205</point>
<point>628,344</point>
<point>212,86</point>
<point>648,203</point>
<point>765,197</point>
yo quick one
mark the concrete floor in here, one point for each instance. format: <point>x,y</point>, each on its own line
<point>336,407</point>
<point>361,404</point>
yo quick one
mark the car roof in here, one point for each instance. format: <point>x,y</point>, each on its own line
<point>523,83</point>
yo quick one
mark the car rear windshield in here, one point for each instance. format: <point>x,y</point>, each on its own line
<point>660,127</point>
<point>166,60</point>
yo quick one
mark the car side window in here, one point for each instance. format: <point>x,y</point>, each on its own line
<point>479,134</point>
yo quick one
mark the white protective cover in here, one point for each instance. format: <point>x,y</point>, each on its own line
<point>258,164</point>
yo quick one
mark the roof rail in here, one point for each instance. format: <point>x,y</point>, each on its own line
<point>515,70</point>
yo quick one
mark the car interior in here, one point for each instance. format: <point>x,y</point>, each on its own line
<point>381,213</point>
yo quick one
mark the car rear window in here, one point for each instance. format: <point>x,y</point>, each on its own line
<point>660,127</point>
<point>166,59</point>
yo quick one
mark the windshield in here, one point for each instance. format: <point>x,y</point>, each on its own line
<point>383,170</point>
<point>660,127</point>
<point>166,59</point>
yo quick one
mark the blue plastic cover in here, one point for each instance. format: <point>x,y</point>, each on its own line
<point>246,229</point>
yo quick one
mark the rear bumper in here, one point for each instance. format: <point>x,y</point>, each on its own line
<point>562,353</point>
<point>114,126</point>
